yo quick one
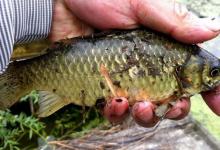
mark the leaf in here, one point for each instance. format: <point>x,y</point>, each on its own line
<point>30,134</point>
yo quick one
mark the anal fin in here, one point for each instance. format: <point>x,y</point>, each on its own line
<point>49,103</point>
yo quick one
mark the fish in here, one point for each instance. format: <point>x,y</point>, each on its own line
<point>138,64</point>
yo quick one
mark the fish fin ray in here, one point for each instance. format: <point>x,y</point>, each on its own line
<point>49,103</point>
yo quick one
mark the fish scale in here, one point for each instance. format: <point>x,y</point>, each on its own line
<point>142,65</point>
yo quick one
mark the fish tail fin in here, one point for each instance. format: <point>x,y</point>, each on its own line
<point>49,103</point>
<point>11,87</point>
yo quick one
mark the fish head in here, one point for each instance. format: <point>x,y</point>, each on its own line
<point>211,73</point>
<point>200,73</point>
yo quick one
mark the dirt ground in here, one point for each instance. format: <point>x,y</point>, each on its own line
<point>170,135</point>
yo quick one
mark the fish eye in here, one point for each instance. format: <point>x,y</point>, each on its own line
<point>215,72</point>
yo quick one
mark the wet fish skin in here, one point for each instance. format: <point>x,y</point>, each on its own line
<point>142,64</point>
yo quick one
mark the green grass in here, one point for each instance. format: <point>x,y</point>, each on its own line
<point>205,116</point>
<point>19,125</point>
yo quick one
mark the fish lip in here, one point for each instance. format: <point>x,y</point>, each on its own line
<point>207,87</point>
<point>210,88</point>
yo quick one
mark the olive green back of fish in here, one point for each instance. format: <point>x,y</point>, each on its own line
<point>142,66</point>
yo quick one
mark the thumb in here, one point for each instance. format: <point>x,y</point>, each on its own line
<point>166,16</point>
<point>174,19</point>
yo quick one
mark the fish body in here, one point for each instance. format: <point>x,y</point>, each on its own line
<point>143,66</point>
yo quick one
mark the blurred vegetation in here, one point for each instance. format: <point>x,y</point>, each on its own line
<point>205,116</point>
<point>14,128</point>
<point>203,8</point>
<point>17,126</point>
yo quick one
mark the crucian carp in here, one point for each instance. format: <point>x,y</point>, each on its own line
<point>140,65</point>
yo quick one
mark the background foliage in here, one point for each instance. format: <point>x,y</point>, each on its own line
<point>19,127</point>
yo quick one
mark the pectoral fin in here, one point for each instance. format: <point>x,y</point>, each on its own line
<point>49,103</point>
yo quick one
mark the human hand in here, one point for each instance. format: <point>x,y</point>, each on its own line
<point>162,15</point>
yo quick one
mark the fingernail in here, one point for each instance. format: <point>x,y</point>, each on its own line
<point>212,24</point>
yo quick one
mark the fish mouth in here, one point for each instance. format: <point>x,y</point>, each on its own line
<point>207,87</point>
<point>212,99</point>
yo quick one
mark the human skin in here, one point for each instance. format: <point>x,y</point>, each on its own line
<point>73,18</point>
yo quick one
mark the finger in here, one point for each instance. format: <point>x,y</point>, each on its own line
<point>143,114</point>
<point>116,110</point>
<point>171,18</point>
<point>179,110</point>
<point>212,99</point>
<point>165,16</point>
